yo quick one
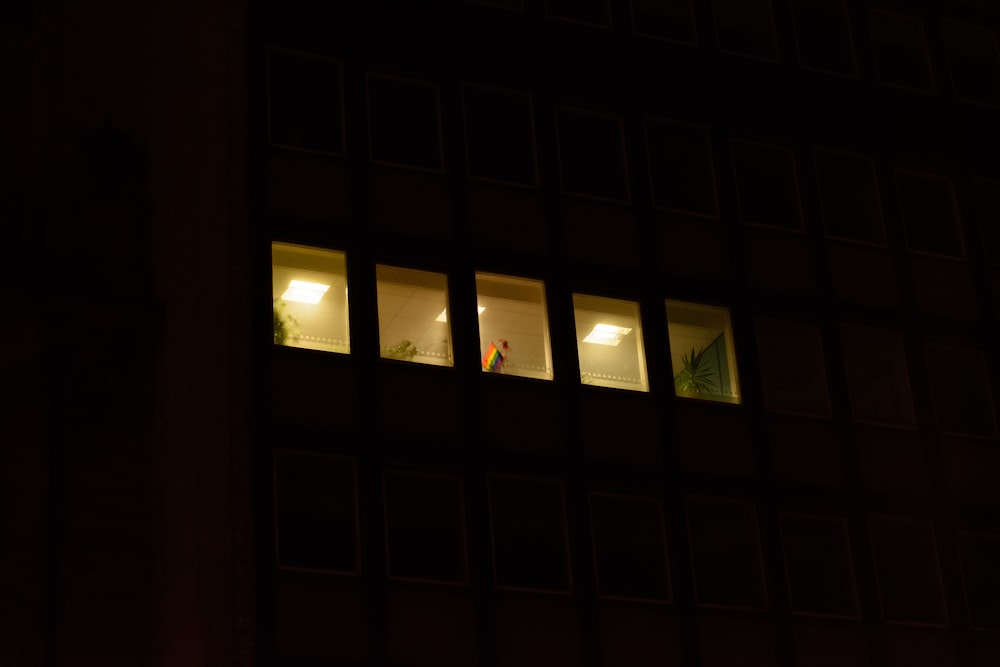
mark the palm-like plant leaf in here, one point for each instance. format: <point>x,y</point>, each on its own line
<point>696,376</point>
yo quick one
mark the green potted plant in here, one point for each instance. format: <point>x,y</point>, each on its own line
<point>404,349</point>
<point>696,376</point>
<point>284,325</point>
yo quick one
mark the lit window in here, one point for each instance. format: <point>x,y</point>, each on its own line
<point>513,326</point>
<point>609,339</point>
<point>413,315</point>
<point>701,352</point>
<point>309,292</point>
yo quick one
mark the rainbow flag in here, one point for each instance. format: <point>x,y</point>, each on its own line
<point>492,360</point>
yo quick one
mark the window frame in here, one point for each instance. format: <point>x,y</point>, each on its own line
<point>693,22</point>
<point>873,163</point>
<point>626,174</point>
<point>850,564</point>
<point>790,150</point>
<point>937,564</point>
<point>343,110</point>
<point>536,185</point>
<point>652,499</point>
<point>609,26</point>
<point>716,214</point>
<point>996,60</point>
<point>855,73</point>
<point>567,540</point>
<point>926,53</point>
<point>776,60</point>
<point>963,256</point>
<point>761,569</point>
<point>358,549</point>
<point>640,343</point>
<point>731,356</point>
<point>439,114</point>
<point>463,517</point>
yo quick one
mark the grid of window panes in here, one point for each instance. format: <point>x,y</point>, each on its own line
<point>608,261</point>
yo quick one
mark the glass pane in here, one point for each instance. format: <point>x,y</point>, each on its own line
<point>609,339</point>
<point>630,547</point>
<point>666,19</point>
<point>592,154</point>
<point>701,352</point>
<point>304,102</point>
<point>725,553</point>
<point>818,565</point>
<point>823,36</point>
<point>586,11</point>
<point>792,367</point>
<point>404,122</point>
<point>960,389</point>
<point>979,555</point>
<point>973,60</point>
<point>900,51</point>
<point>930,219</point>
<point>413,315</point>
<point>309,292</point>
<point>425,526</point>
<point>316,512</point>
<point>848,192</point>
<point>906,564</point>
<point>513,326</point>
<point>746,27</point>
<point>499,134</point>
<point>766,185</point>
<point>877,376</point>
<point>680,167</point>
<point>528,518</point>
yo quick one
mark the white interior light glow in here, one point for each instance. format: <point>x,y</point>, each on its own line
<point>606,334</point>
<point>302,291</point>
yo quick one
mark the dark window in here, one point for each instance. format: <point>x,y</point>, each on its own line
<point>594,12</point>
<point>592,154</point>
<point>500,135</point>
<point>848,191</point>
<point>746,27</point>
<point>818,562</point>
<point>900,51</point>
<point>927,207</point>
<point>404,122</point>
<point>316,512</point>
<point>514,5</point>
<point>680,165</point>
<point>906,564</point>
<point>877,376</point>
<point>726,553</point>
<point>792,367</point>
<point>425,526</point>
<point>629,547</point>
<point>529,534</point>
<point>305,105</point>
<point>986,203</point>
<point>665,19</point>
<point>823,36</point>
<point>960,390</point>
<point>766,185</point>
<point>973,61</point>
<point>979,556</point>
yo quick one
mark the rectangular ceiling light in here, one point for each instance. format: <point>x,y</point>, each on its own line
<point>606,334</point>
<point>443,317</point>
<point>304,292</point>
